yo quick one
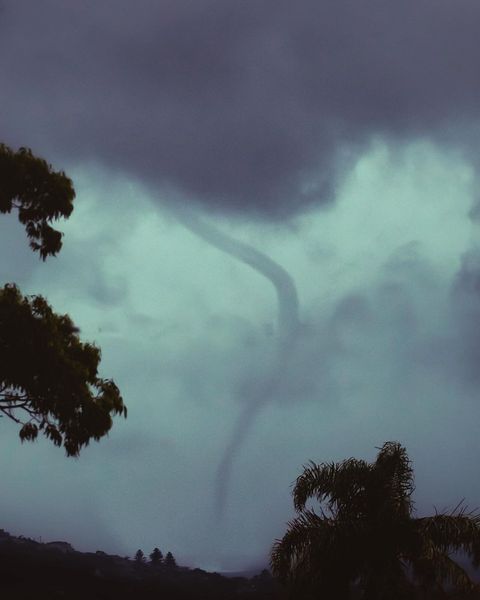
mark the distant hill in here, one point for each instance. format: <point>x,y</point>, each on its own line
<point>31,569</point>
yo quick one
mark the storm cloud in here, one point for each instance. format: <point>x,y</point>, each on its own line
<point>249,107</point>
<point>339,138</point>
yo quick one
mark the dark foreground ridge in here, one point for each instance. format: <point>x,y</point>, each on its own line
<point>55,570</point>
<point>31,569</point>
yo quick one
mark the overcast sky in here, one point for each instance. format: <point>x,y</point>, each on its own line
<point>337,142</point>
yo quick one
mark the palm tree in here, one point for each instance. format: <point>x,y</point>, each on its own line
<point>364,536</point>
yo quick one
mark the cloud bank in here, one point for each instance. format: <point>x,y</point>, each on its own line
<point>246,107</point>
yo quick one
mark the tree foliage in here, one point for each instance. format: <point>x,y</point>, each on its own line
<point>364,534</point>
<point>49,379</point>
<point>156,557</point>
<point>40,194</point>
<point>170,561</point>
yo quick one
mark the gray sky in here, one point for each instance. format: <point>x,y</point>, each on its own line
<point>336,138</point>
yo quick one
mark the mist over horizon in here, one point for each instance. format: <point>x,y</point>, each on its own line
<point>338,143</point>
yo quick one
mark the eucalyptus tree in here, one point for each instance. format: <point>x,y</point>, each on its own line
<point>49,379</point>
<point>40,195</point>
<point>363,537</point>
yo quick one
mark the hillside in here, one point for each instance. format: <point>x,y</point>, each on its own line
<point>31,569</point>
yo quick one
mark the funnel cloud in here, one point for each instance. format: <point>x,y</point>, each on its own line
<point>288,322</point>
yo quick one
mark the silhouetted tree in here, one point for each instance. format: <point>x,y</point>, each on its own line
<point>48,378</point>
<point>170,561</point>
<point>140,557</point>
<point>156,558</point>
<point>40,194</point>
<point>365,534</point>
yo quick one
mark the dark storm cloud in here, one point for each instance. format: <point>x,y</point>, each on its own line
<point>248,106</point>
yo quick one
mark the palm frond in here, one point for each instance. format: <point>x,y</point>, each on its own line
<point>394,476</point>
<point>337,483</point>
<point>292,554</point>
<point>315,546</point>
<point>449,532</point>
<point>437,568</point>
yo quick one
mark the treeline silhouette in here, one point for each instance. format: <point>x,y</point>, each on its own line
<point>157,560</point>
<point>30,569</point>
